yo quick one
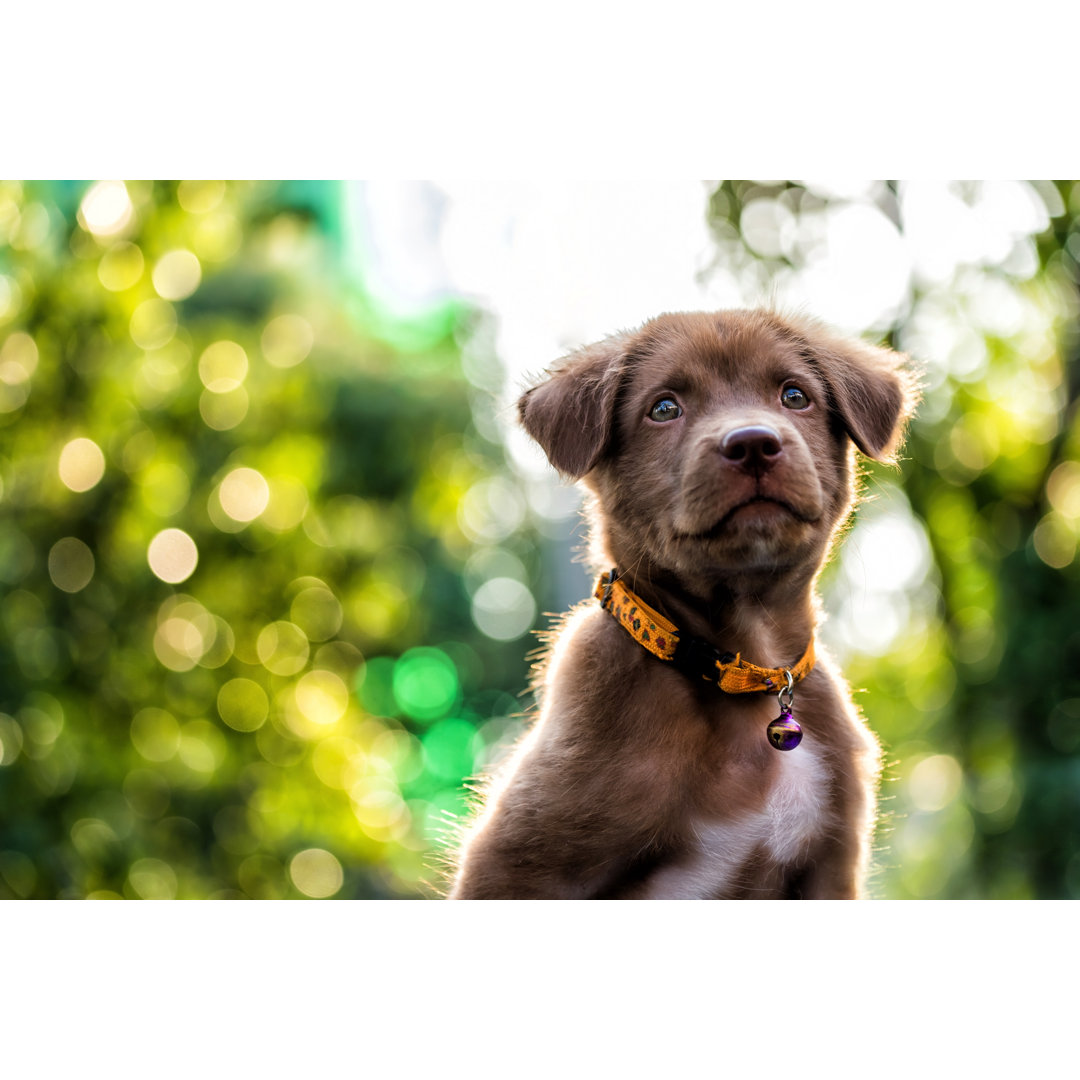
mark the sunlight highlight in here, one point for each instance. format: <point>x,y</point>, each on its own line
<point>316,873</point>
<point>106,208</point>
<point>172,556</point>
<point>81,465</point>
<point>223,366</point>
<point>177,275</point>
<point>244,494</point>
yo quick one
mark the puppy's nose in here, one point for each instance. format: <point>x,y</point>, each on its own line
<point>754,448</point>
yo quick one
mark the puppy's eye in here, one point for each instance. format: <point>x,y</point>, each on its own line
<point>665,409</point>
<point>791,397</point>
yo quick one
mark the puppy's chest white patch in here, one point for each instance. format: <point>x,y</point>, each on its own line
<point>793,816</point>
<point>797,802</point>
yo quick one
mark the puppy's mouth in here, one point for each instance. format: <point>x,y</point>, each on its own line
<point>762,503</point>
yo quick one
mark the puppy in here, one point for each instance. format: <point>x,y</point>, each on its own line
<point>693,742</point>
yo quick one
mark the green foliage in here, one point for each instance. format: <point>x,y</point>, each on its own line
<point>294,712</point>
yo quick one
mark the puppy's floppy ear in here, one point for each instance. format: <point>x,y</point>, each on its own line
<point>571,414</point>
<point>874,390</point>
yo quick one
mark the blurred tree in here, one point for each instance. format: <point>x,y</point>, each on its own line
<point>241,541</point>
<point>977,698</point>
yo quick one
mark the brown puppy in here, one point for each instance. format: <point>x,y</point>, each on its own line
<point>718,449</point>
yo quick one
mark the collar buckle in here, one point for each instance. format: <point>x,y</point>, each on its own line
<point>612,576</point>
<point>695,656</point>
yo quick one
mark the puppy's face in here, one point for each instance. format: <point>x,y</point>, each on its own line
<point>723,452</point>
<point>720,444</point>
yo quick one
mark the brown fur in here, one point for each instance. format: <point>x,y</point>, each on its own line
<point>637,780</point>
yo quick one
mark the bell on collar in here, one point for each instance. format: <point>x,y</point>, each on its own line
<point>784,732</point>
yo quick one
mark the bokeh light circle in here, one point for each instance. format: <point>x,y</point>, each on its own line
<point>381,812</point>
<point>316,873</point>
<point>503,608</point>
<point>153,879</point>
<point>121,266</point>
<point>185,632</point>
<point>200,196</point>
<point>223,411</point>
<point>106,208</point>
<point>202,746</point>
<point>244,494</point>
<point>287,340</point>
<point>172,556</point>
<point>153,324</point>
<point>282,648</point>
<point>1054,540</point>
<point>317,612</point>
<point>322,697</point>
<point>448,749</point>
<point>82,464</point>
<point>336,761</point>
<point>71,564</point>
<point>155,734</point>
<point>243,704</point>
<point>218,236</point>
<point>223,366</point>
<point>289,502</point>
<point>18,358</point>
<point>425,683</point>
<point>934,782</point>
<point>221,648</point>
<point>177,274</point>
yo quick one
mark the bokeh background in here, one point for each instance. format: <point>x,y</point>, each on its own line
<point>272,552</point>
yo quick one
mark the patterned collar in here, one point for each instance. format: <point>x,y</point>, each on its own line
<point>695,656</point>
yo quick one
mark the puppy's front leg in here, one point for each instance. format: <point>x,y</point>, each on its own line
<point>540,850</point>
<point>557,829</point>
<point>833,872</point>
<point>493,868</point>
<point>838,863</point>
<point>518,857</point>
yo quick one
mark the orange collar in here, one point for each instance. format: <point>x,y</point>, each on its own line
<point>729,671</point>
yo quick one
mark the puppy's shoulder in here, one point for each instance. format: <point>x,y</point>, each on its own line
<point>590,663</point>
<point>827,696</point>
<point>589,638</point>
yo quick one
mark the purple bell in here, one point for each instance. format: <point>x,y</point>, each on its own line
<point>784,732</point>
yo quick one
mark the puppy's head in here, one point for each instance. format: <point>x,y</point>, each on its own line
<point>720,443</point>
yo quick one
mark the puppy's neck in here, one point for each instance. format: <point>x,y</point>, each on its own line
<point>769,620</point>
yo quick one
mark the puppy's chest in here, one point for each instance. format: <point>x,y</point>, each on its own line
<point>727,852</point>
